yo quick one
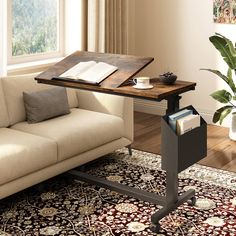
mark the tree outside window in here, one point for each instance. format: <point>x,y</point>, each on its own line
<point>34,27</point>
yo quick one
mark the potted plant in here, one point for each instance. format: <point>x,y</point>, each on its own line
<point>226,97</point>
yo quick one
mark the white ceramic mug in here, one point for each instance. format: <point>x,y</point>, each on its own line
<point>142,82</point>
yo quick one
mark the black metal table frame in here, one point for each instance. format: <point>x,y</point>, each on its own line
<point>169,202</point>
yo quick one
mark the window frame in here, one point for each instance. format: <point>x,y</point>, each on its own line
<point>39,56</point>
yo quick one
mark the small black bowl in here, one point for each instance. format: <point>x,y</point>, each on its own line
<point>170,79</point>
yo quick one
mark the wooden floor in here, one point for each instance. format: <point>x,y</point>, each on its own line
<point>221,151</point>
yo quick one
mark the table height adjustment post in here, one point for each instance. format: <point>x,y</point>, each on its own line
<point>172,103</point>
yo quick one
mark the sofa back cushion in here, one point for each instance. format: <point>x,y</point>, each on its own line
<point>4,119</point>
<point>46,104</point>
<point>14,86</point>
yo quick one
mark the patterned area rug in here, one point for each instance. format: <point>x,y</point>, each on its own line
<point>66,206</point>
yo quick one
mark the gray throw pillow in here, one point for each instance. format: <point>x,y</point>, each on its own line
<point>45,104</point>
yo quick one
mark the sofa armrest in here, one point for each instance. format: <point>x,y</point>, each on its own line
<point>109,104</point>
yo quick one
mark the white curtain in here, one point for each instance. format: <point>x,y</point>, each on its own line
<point>116,20</point>
<point>3,37</point>
<point>96,26</point>
<point>106,29</point>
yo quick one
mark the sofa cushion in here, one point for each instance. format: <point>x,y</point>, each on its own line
<point>45,104</point>
<point>4,120</point>
<point>14,86</point>
<point>22,153</point>
<point>77,132</point>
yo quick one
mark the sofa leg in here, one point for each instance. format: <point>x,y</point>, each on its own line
<point>129,149</point>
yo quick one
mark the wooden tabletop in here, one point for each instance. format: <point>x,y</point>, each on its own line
<point>128,66</point>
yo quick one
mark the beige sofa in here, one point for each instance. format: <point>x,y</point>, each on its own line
<point>30,153</point>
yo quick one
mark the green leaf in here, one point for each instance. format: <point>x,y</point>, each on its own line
<point>229,43</point>
<point>224,46</point>
<point>219,74</point>
<point>230,81</point>
<point>222,96</point>
<point>221,113</point>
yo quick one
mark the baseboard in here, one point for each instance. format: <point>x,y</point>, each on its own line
<point>206,115</point>
<point>155,108</point>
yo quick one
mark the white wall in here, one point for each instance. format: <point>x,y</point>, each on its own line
<point>176,34</point>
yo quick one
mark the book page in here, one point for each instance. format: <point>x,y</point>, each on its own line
<point>98,72</point>
<point>89,71</point>
<point>78,69</point>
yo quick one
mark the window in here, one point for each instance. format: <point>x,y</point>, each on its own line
<point>35,30</point>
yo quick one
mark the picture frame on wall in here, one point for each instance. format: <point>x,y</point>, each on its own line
<point>224,11</point>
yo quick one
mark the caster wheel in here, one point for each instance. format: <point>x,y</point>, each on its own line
<point>192,201</point>
<point>155,228</point>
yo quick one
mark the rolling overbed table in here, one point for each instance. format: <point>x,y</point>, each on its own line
<point>118,83</point>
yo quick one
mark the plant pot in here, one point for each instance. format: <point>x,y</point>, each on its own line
<point>232,129</point>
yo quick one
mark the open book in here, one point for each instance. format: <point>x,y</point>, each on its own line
<point>90,71</point>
